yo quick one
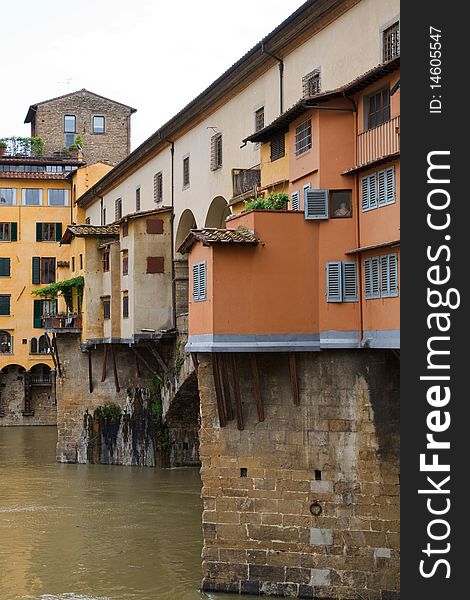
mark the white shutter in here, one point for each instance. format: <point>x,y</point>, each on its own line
<point>333,282</point>
<point>295,201</point>
<point>349,281</point>
<point>316,204</point>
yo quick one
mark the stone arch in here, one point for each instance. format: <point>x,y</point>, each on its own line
<point>186,223</point>
<point>218,212</point>
<point>11,366</point>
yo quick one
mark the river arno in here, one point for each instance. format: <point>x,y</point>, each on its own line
<point>89,532</point>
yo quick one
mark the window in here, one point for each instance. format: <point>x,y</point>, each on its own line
<point>48,232</point>
<point>378,189</point>
<point>49,308</point>
<point>125,229</point>
<point>295,201</point>
<point>340,204</point>
<point>259,119</point>
<point>7,196</point>
<point>378,108</point>
<point>216,151</point>
<point>391,42</point>
<point>106,308</point>
<point>58,197</point>
<point>381,276</point>
<point>303,137</point>
<point>33,348</point>
<point>199,281</point>
<point>137,199</point>
<point>4,305</point>
<point>105,260</point>
<point>87,221</point>
<point>70,129</point>
<point>73,264</point>
<point>125,262</point>
<point>278,147</point>
<point>43,270</point>
<point>341,281</point>
<point>311,83</point>
<point>158,187</point>
<point>117,209</point>
<point>125,305</point>
<point>81,262</point>
<point>155,264</point>
<point>315,204</point>
<point>5,340</point>
<point>42,345</point>
<point>103,216</point>
<point>186,172</point>
<point>8,232</point>
<point>5,267</point>
<point>98,124</point>
<point>31,197</point>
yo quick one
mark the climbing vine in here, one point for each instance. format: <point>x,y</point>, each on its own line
<point>65,288</point>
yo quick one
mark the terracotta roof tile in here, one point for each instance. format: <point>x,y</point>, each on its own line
<point>207,236</point>
<point>9,175</point>
<point>89,231</point>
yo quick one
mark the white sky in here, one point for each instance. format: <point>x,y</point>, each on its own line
<point>155,56</point>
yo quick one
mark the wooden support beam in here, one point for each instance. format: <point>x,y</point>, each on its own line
<point>145,361</point>
<point>218,390</point>
<point>225,386</point>
<point>51,350</point>
<point>116,380</point>
<point>158,358</point>
<point>257,387</point>
<point>105,361</point>
<point>56,350</point>
<point>195,361</point>
<point>90,372</point>
<point>293,378</point>
<point>236,392</point>
<point>137,368</point>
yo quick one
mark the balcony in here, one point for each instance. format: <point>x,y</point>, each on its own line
<point>42,379</point>
<point>378,143</point>
<point>71,323</point>
<point>245,180</point>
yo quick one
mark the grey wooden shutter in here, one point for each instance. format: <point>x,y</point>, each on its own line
<point>372,183</point>
<point>202,280</point>
<point>384,277</point>
<point>381,188</point>
<point>13,232</point>
<point>36,270</point>
<point>295,201</point>
<point>365,193</point>
<point>390,185</point>
<point>371,278</point>
<point>333,282</point>
<point>316,204</point>
<point>393,274</point>
<point>349,277</point>
<point>196,282</point>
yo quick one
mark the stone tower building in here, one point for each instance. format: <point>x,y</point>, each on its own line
<point>103,125</point>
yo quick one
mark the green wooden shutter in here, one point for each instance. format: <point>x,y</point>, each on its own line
<point>4,305</point>
<point>316,204</point>
<point>58,232</point>
<point>36,270</point>
<point>39,232</point>
<point>13,232</point>
<point>333,282</point>
<point>349,276</point>
<point>37,318</point>
<point>4,267</point>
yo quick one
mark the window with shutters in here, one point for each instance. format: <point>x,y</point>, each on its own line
<point>137,199</point>
<point>216,151</point>
<point>381,276</point>
<point>48,232</point>
<point>303,137</point>
<point>106,301</point>
<point>4,305</point>
<point>199,281</point>
<point>158,187</point>
<point>125,305</point>
<point>311,83</point>
<point>378,189</point>
<point>5,232</point>
<point>105,260</point>
<point>125,229</point>
<point>5,267</point>
<point>31,197</point>
<point>185,172</point>
<point>278,147</point>
<point>391,42</point>
<point>315,204</point>
<point>7,196</point>
<point>47,270</point>
<point>259,119</point>
<point>118,209</point>
<point>341,281</point>
<point>58,197</point>
<point>5,339</point>
<point>378,108</point>
<point>125,262</point>
<point>340,204</point>
<point>295,201</point>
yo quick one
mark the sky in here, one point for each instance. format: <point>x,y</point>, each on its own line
<point>152,55</point>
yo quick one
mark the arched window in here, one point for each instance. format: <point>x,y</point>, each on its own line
<point>43,349</point>
<point>34,346</point>
<point>5,342</point>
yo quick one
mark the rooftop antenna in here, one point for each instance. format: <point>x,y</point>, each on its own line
<point>66,82</point>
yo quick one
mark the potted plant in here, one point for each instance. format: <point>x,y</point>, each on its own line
<point>76,148</point>
<point>3,147</point>
<point>272,202</point>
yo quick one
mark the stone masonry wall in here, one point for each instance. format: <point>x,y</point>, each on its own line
<point>306,503</point>
<point>112,146</point>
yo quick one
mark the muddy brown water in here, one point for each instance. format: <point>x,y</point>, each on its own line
<point>95,532</point>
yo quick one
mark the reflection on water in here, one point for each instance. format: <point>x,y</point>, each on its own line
<point>91,532</point>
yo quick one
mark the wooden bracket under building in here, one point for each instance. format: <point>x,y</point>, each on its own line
<point>90,372</point>
<point>225,386</point>
<point>218,389</point>
<point>293,378</point>
<point>144,360</point>
<point>236,392</point>
<point>159,359</point>
<point>257,387</point>
<point>105,360</point>
<point>116,380</point>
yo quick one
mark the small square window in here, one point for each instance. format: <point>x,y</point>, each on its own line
<point>340,204</point>
<point>311,84</point>
<point>98,124</point>
<point>391,42</point>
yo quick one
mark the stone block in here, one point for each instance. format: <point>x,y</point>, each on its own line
<point>320,577</point>
<point>321,537</point>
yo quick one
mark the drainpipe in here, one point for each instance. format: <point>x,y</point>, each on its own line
<point>172,220</point>
<point>281,76</point>
<point>101,209</point>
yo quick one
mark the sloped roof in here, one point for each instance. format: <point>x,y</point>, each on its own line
<point>98,231</point>
<point>209,236</point>
<point>32,109</point>
<point>143,213</point>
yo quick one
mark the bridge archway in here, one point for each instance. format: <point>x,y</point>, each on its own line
<point>186,223</point>
<point>217,213</point>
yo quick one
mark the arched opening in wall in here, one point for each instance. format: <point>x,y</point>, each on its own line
<point>217,213</point>
<point>6,345</point>
<point>12,389</point>
<point>33,346</point>
<point>186,223</point>
<point>43,348</point>
<point>41,375</point>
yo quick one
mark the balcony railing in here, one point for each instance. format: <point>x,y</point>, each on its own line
<point>379,142</point>
<point>63,323</point>
<point>44,379</point>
